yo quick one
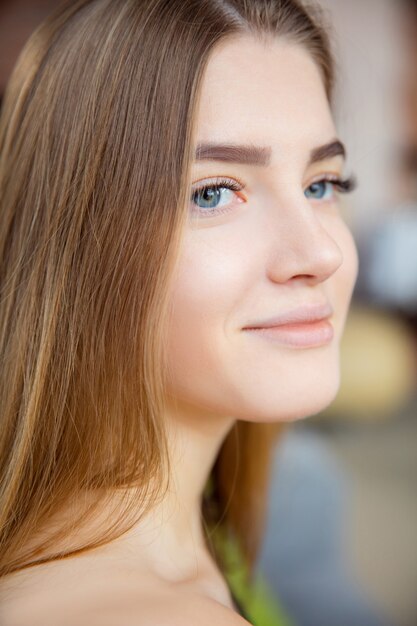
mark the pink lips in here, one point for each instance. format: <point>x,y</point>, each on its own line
<point>303,327</point>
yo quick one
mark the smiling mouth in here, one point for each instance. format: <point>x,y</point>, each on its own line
<point>313,331</point>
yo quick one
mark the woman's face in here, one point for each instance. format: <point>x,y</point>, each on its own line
<point>275,245</point>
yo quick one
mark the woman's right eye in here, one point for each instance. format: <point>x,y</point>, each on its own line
<point>215,197</point>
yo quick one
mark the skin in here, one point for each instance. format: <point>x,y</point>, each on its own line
<point>269,254</point>
<point>273,250</point>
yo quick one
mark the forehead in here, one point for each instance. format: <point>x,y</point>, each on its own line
<point>269,93</point>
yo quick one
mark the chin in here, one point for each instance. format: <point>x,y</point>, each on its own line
<point>297,399</point>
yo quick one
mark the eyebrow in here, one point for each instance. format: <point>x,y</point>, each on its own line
<point>260,155</point>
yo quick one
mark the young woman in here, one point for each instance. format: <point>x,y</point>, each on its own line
<point>175,278</point>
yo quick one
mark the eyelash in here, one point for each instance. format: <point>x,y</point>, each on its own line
<point>343,185</point>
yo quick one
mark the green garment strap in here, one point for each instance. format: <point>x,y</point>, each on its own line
<point>259,603</point>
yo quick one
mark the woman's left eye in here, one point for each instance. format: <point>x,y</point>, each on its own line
<point>320,190</point>
<point>324,189</point>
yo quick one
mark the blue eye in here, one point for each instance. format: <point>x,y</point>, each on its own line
<point>324,189</point>
<point>215,197</point>
<point>319,190</point>
<point>209,197</point>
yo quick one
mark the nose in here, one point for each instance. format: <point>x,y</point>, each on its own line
<point>304,246</point>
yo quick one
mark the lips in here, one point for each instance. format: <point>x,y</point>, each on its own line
<point>306,314</point>
<point>307,326</point>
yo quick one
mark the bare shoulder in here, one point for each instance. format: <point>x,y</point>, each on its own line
<point>187,611</point>
<point>192,611</point>
<point>131,602</point>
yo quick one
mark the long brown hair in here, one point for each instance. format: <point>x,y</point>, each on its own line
<point>96,146</point>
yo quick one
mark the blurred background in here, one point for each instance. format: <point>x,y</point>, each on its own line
<point>340,546</point>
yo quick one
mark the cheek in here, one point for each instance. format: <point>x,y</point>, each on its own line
<point>209,281</point>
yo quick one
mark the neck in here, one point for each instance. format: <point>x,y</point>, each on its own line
<point>170,537</point>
